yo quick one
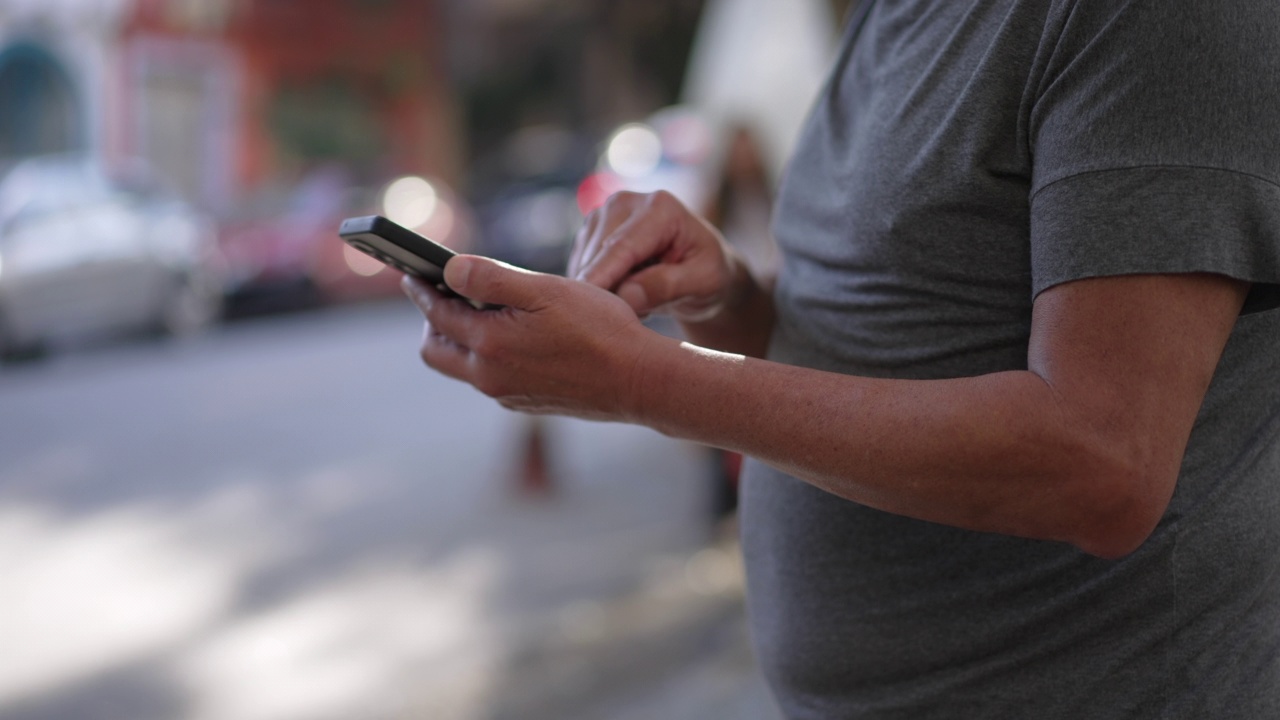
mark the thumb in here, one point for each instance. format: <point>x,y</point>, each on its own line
<point>489,281</point>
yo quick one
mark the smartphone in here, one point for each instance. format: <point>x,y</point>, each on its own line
<point>402,249</point>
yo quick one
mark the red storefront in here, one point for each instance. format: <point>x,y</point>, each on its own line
<point>230,96</point>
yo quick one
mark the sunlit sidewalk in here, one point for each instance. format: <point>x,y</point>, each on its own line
<point>230,554</point>
<point>675,648</point>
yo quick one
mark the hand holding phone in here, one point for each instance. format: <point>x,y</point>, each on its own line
<point>401,248</point>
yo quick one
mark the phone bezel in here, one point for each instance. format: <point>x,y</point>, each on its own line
<point>397,246</point>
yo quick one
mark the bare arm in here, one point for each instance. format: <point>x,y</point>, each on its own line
<point>1083,447</point>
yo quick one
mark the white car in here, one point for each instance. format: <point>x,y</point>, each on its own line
<point>85,254</point>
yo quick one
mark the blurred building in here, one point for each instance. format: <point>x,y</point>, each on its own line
<point>227,97</point>
<point>55,77</point>
<point>231,95</point>
<point>224,96</point>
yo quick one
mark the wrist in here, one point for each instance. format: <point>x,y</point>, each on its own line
<point>679,389</point>
<point>744,319</point>
<point>646,372</point>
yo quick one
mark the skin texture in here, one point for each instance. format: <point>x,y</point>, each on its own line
<point>1083,447</point>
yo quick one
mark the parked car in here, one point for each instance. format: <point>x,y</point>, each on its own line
<point>268,257</point>
<point>283,252</point>
<point>86,253</point>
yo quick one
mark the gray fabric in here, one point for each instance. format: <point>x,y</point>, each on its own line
<point>965,156</point>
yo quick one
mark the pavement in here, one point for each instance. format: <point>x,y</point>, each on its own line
<point>290,519</point>
<point>676,647</point>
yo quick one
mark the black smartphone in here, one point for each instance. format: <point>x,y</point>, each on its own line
<point>402,249</point>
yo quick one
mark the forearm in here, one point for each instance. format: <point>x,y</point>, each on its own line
<point>992,453</point>
<point>1083,447</point>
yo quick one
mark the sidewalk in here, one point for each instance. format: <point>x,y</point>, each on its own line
<point>676,648</point>
<point>624,603</point>
<point>271,564</point>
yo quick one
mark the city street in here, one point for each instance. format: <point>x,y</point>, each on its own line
<point>291,518</point>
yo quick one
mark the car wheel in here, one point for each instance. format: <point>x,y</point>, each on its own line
<point>13,349</point>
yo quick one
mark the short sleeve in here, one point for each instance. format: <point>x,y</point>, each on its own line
<point>1155,142</point>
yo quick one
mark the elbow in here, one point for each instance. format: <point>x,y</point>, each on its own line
<point>1119,510</point>
<point>1113,545</point>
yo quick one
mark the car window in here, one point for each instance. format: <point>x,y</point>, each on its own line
<point>37,189</point>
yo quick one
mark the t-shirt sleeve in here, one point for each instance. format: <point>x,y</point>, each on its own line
<point>1155,137</point>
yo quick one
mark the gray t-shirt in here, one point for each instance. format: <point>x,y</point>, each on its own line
<point>964,156</point>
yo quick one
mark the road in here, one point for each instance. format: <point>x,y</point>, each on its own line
<point>289,518</point>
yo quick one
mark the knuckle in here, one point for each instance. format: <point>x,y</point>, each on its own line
<point>623,198</point>
<point>489,348</point>
<point>667,210</point>
<point>483,344</point>
<point>663,201</point>
<point>612,241</point>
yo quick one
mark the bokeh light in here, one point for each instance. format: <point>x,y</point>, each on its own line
<point>597,188</point>
<point>410,201</point>
<point>634,150</point>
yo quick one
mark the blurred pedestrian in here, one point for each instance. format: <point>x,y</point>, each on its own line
<point>741,204</point>
<point>1012,400</point>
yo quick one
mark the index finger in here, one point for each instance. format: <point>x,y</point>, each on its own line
<point>640,240</point>
<point>582,241</point>
<point>601,224</point>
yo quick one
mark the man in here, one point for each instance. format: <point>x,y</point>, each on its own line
<point>1016,432</point>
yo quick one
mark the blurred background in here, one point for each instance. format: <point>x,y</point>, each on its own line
<point>228,488</point>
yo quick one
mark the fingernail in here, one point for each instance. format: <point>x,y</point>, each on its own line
<point>456,273</point>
